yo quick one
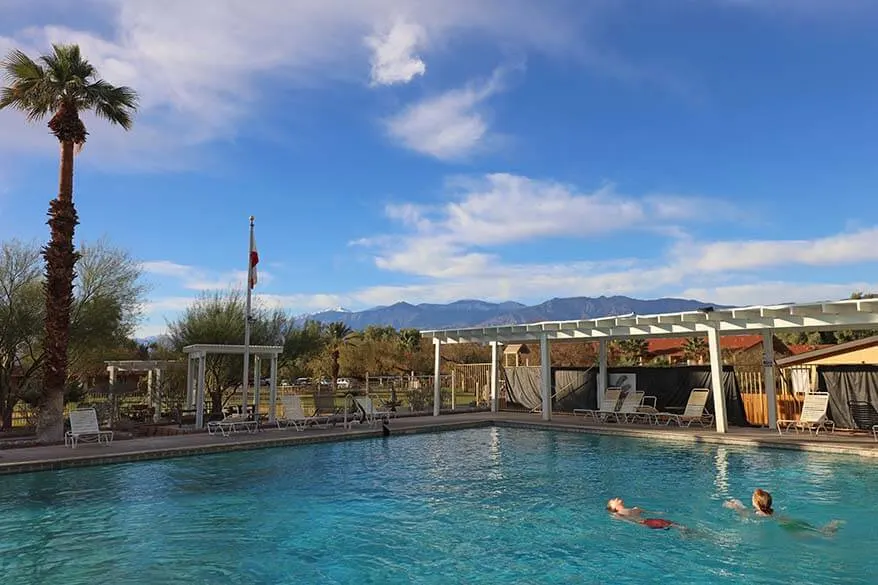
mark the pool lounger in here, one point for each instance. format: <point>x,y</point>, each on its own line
<point>84,428</point>
<point>294,415</point>
<point>232,424</point>
<point>609,406</point>
<point>814,415</point>
<point>694,411</point>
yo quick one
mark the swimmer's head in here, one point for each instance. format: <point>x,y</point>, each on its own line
<point>615,505</point>
<point>762,502</point>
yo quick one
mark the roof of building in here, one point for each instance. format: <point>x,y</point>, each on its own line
<point>829,351</point>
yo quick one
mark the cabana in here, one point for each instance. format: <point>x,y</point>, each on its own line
<point>707,321</point>
<point>154,370</point>
<point>195,372</point>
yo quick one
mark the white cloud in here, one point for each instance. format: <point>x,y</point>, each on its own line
<point>845,248</point>
<point>393,53</point>
<point>773,292</point>
<point>447,240</point>
<point>201,71</point>
<point>450,126</point>
<point>200,279</point>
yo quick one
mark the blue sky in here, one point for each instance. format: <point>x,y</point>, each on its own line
<point>502,149</point>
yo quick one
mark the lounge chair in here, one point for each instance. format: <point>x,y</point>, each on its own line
<point>628,410</point>
<point>608,406</point>
<point>294,414</point>
<point>814,415</point>
<point>232,424</point>
<point>694,411</point>
<point>84,428</point>
<point>371,414</point>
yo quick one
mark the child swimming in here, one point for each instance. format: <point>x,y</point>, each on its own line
<point>763,506</point>
<point>617,507</point>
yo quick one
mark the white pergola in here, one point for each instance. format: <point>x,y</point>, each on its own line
<point>195,372</point>
<point>709,321</point>
<point>155,371</point>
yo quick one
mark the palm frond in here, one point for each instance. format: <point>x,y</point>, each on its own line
<point>29,90</point>
<point>114,104</point>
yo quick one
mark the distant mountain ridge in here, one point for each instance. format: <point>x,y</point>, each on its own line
<point>475,313</point>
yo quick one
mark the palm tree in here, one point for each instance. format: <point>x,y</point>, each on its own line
<point>633,350</point>
<point>695,349</point>
<point>338,335</point>
<point>62,84</point>
<point>410,343</point>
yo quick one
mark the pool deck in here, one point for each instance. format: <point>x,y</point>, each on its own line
<point>28,459</point>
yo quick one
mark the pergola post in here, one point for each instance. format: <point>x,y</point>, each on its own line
<point>157,396</point>
<point>111,378</point>
<point>190,395</point>
<point>495,399</point>
<point>768,376</point>
<point>257,384</point>
<point>150,389</point>
<point>437,382</point>
<point>545,377</point>
<point>716,380</point>
<point>272,391</point>
<point>603,361</point>
<point>199,392</point>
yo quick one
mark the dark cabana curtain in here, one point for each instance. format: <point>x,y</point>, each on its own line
<point>846,384</point>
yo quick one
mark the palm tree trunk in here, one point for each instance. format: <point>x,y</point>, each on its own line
<point>335,369</point>
<point>60,257</point>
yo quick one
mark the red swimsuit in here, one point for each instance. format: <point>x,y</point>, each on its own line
<point>658,523</point>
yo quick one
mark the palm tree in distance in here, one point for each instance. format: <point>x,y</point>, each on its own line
<point>62,84</point>
<point>695,349</point>
<point>338,335</point>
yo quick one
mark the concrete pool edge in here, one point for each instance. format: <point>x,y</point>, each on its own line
<point>64,458</point>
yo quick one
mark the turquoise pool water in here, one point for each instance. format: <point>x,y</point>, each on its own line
<point>476,506</point>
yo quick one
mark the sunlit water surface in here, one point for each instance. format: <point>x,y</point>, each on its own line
<point>474,506</point>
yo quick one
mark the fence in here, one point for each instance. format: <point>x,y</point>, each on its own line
<point>791,384</point>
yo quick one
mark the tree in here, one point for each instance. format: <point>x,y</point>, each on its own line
<point>695,349</point>
<point>410,344</point>
<point>108,294</point>
<point>218,318</point>
<point>63,84</point>
<point>301,345</point>
<point>338,335</point>
<point>633,350</point>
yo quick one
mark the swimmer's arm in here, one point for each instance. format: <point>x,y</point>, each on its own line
<point>737,506</point>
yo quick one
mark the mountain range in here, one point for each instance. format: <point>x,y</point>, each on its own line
<point>475,313</point>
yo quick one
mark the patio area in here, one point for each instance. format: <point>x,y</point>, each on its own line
<point>53,457</point>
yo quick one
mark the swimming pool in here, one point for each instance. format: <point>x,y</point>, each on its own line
<point>487,505</point>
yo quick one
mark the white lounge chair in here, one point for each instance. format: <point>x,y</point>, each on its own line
<point>628,410</point>
<point>814,415</point>
<point>694,411</point>
<point>371,413</point>
<point>232,424</point>
<point>84,428</point>
<point>608,405</point>
<point>294,414</point>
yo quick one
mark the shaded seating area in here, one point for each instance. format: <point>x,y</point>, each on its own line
<point>84,428</point>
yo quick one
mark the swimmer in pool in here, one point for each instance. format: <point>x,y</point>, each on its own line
<point>763,506</point>
<point>617,507</point>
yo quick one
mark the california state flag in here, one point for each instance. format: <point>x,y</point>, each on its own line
<point>254,260</point>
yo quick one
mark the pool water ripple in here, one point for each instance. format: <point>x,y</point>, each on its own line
<point>470,507</point>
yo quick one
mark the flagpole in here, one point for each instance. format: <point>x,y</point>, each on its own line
<point>246,384</point>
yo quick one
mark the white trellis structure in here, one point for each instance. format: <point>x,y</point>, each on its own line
<point>154,369</point>
<point>708,321</point>
<point>196,368</point>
